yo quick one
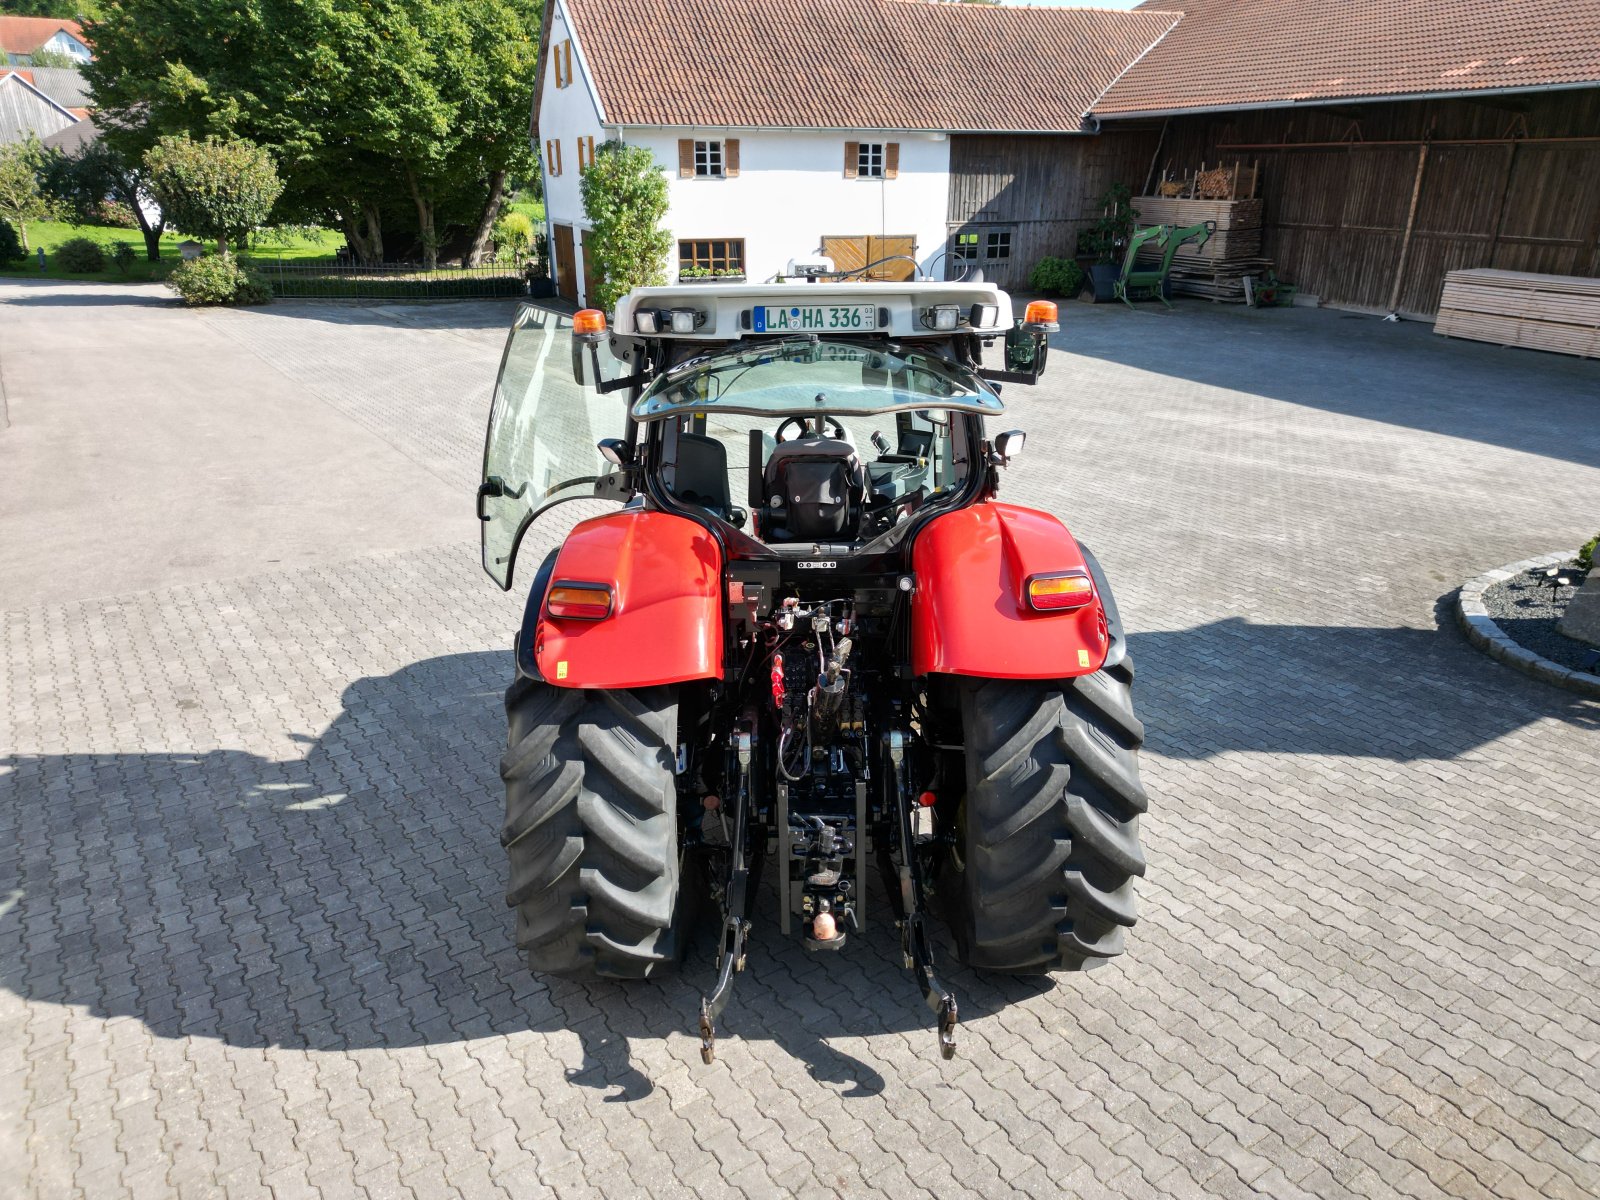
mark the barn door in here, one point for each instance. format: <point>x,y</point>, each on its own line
<point>566,269</point>
<point>854,253</point>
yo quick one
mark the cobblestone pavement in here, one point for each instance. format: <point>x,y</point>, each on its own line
<point>251,935</point>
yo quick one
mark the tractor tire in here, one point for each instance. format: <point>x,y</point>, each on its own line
<point>592,829</point>
<point>1041,878</point>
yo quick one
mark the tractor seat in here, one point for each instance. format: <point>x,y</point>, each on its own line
<point>700,476</point>
<point>814,488</point>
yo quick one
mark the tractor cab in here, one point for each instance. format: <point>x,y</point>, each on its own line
<point>798,419</point>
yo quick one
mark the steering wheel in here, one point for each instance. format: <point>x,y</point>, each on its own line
<point>830,424</point>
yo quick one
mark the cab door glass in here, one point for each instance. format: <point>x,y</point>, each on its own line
<point>544,430</point>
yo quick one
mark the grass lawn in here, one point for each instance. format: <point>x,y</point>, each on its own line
<point>51,234</point>
<point>533,208</point>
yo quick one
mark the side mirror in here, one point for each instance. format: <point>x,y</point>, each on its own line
<point>616,452</point>
<point>1007,446</point>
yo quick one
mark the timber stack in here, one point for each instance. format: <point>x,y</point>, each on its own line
<point>1519,308</point>
<point>1223,195</point>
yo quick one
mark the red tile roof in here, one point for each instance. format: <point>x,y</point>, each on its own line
<point>855,64</point>
<point>1250,53</point>
<point>24,35</point>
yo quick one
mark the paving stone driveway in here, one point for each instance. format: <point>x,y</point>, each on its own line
<point>251,936</point>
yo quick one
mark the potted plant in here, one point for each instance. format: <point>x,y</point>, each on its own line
<point>1106,240</point>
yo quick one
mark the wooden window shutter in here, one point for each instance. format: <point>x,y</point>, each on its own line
<point>891,160</point>
<point>566,60</point>
<point>730,157</point>
<point>685,158</point>
<point>555,63</point>
<point>558,156</point>
<point>852,159</point>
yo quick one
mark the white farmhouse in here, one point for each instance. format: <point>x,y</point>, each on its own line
<point>860,130</point>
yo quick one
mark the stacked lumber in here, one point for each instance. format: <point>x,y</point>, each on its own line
<point>1518,308</point>
<point>1222,281</point>
<point>1216,270</point>
<point>1238,232</point>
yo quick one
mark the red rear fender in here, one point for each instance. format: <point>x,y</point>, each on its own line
<point>970,614</point>
<point>665,626</point>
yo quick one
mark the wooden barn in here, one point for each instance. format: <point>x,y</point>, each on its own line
<point>1393,146</point>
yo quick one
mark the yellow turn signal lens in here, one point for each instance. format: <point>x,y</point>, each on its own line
<point>589,320</point>
<point>1052,593</point>
<point>579,601</point>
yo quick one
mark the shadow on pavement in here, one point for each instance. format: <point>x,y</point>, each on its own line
<point>1356,365</point>
<point>353,899</point>
<point>1395,694</point>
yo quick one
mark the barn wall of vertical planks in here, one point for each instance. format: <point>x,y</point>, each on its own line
<point>1370,205</point>
<point>1035,192</point>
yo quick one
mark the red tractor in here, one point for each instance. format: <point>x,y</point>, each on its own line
<point>862,656</point>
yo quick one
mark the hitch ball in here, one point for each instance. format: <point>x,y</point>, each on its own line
<point>823,928</point>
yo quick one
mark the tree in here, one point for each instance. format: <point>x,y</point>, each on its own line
<point>52,58</point>
<point>96,173</point>
<point>625,199</point>
<point>22,196</point>
<point>214,188</point>
<point>393,119</point>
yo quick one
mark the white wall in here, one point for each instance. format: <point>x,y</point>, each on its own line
<point>64,43</point>
<point>791,191</point>
<point>566,113</point>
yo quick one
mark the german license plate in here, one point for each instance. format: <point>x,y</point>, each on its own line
<point>815,318</point>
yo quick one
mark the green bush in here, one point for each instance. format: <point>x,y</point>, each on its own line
<point>216,280</point>
<point>513,235</point>
<point>122,256</point>
<point>1056,277</point>
<point>1586,555</point>
<point>80,256</point>
<point>10,244</point>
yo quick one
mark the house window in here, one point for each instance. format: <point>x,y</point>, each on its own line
<point>965,250</point>
<point>708,160</point>
<point>585,154</point>
<point>561,62</point>
<point>715,256</point>
<point>869,160</point>
<point>552,157</point>
<point>998,244</point>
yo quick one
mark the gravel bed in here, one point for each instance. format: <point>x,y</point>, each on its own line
<point>1528,612</point>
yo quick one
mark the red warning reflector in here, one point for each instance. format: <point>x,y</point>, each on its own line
<point>927,799</point>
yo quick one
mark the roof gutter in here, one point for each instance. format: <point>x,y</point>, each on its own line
<point>1318,101</point>
<point>1079,132</point>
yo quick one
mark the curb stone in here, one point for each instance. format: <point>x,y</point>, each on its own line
<point>1483,632</point>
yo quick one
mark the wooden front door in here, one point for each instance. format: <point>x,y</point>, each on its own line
<point>591,281</point>
<point>566,269</point>
<point>853,253</point>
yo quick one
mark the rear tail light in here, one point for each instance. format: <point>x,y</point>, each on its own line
<point>579,601</point>
<point>1053,593</point>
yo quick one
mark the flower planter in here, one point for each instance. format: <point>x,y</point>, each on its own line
<point>1103,281</point>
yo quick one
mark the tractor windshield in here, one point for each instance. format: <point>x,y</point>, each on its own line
<point>810,377</point>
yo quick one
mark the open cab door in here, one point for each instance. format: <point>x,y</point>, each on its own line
<point>544,429</point>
